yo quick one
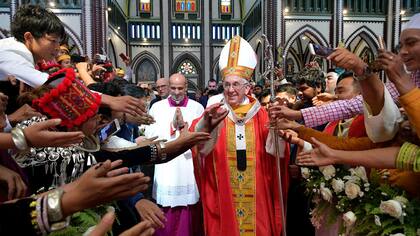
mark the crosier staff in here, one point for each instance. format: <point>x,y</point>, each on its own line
<point>269,70</point>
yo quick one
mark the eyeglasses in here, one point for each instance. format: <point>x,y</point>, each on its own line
<point>235,85</point>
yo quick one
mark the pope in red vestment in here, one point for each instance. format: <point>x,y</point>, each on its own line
<point>235,171</point>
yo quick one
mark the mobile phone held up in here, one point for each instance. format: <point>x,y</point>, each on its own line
<point>316,49</point>
<point>108,130</point>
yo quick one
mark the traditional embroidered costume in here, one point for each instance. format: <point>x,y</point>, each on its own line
<point>69,100</point>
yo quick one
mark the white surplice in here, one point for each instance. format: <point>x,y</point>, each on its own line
<point>174,182</point>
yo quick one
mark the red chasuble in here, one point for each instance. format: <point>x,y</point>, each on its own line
<point>241,202</point>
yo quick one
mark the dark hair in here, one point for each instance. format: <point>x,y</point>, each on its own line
<point>220,88</point>
<point>134,91</point>
<point>119,82</point>
<point>288,88</point>
<point>212,93</point>
<point>349,74</point>
<point>105,88</point>
<point>265,93</point>
<point>108,89</point>
<point>346,74</point>
<point>212,81</point>
<point>36,20</point>
<point>331,70</point>
<point>258,85</point>
<point>313,77</point>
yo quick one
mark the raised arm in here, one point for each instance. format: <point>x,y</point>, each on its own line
<point>323,155</point>
<point>154,153</point>
<point>335,142</point>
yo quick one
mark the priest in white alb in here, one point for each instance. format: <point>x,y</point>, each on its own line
<point>174,185</point>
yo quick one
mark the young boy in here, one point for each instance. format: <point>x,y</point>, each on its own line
<point>37,34</point>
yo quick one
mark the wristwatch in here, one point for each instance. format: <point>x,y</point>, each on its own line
<point>367,72</point>
<point>162,153</point>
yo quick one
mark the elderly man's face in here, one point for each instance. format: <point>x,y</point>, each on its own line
<point>330,82</point>
<point>162,86</point>
<point>410,48</point>
<point>235,89</point>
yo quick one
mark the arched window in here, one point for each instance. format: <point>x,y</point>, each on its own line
<point>185,5</point>
<point>146,71</point>
<point>298,54</point>
<point>190,69</point>
<point>187,68</point>
<point>363,46</point>
<point>225,6</point>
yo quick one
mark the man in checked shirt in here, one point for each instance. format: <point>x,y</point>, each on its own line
<point>380,119</point>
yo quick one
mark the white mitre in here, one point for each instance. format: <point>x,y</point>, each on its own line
<point>237,58</point>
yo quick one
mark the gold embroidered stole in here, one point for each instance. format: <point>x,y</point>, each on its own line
<point>242,110</point>
<point>243,183</point>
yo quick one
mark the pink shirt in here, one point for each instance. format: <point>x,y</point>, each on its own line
<point>345,109</point>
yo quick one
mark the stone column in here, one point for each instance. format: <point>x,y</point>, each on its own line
<point>337,22</point>
<point>205,45</point>
<point>166,28</point>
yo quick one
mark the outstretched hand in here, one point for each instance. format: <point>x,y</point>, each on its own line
<point>323,98</point>
<point>16,188</point>
<point>100,184</point>
<point>212,116</point>
<point>39,135</point>
<point>292,137</point>
<point>143,141</point>
<point>189,139</point>
<point>321,155</point>
<point>131,105</point>
<point>148,210</point>
<point>277,111</point>
<point>185,141</point>
<point>23,113</point>
<point>284,124</point>
<point>143,228</point>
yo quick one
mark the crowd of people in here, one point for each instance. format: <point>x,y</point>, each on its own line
<point>82,145</point>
